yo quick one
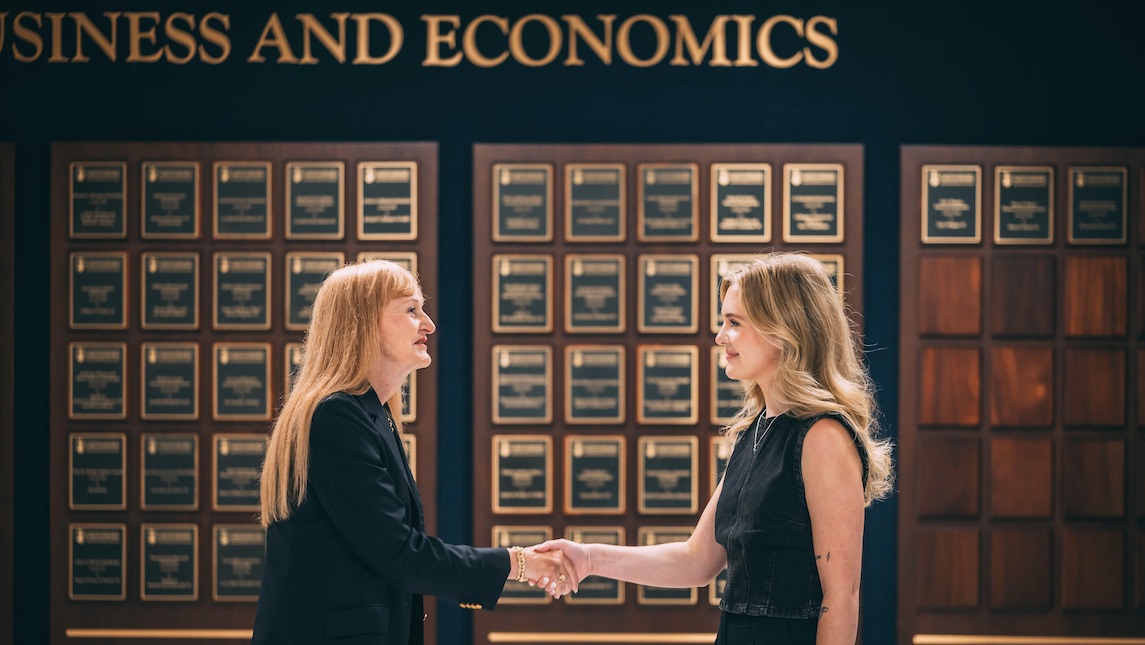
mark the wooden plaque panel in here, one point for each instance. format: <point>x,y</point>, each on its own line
<point>1021,477</point>
<point>951,387</point>
<point>1095,380</point>
<point>1022,297</point>
<point>950,296</point>
<point>1096,295</point>
<point>1022,386</point>
<point>948,471</point>
<point>947,573</point>
<point>1092,568</point>
<point>1021,562</point>
<point>1100,463</point>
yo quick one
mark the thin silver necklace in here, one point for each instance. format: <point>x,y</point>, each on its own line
<point>759,437</point>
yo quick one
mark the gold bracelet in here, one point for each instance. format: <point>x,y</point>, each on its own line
<point>521,577</point>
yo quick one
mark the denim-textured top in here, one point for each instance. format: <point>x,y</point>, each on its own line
<point>763,523</point>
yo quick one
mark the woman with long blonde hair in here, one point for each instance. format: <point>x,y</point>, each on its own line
<point>347,556</point>
<point>786,519</point>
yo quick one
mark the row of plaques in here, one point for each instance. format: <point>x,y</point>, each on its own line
<point>169,287</point>
<point>241,207</point>
<point>667,202</point>
<point>595,291</point>
<point>597,590</point>
<point>169,381</point>
<point>595,474</point>
<point>169,471</point>
<point>168,562</point>
<point>667,385</point>
<point>1023,204</point>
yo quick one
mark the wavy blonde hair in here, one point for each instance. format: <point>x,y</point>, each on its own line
<point>342,342</point>
<point>789,298</point>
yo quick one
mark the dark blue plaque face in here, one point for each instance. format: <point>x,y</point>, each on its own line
<point>741,206</point>
<point>594,202</point>
<point>387,201</point>
<point>522,203</point>
<point>522,474</point>
<point>1023,205</point>
<point>521,593</point>
<point>522,384</point>
<point>97,381</point>
<point>170,379</point>
<point>951,199</point>
<point>170,199</point>
<point>314,206</point>
<point>242,291</point>
<point>595,293</point>
<point>666,387</point>
<point>667,299</point>
<point>668,210</point>
<point>239,557</point>
<point>727,393</point>
<point>668,475</point>
<point>594,384</point>
<point>170,568</point>
<point>97,463</point>
<point>95,566</point>
<point>304,274</point>
<point>238,459</point>
<point>242,201</point>
<point>597,590</point>
<point>170,477</point>
<point>649,595</point>
<point>813,203</point>
<point>242,381</point>
<point>522,293</point>
<point>98,290</point>
<point>1097,201</point>
<point>170,291</point>
<point>594,474</point>
<point>98,196</point>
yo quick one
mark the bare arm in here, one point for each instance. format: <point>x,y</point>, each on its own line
<point>833,482</point>
<point>677,564</point>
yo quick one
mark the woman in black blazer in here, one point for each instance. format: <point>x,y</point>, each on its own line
<point>347,557</point>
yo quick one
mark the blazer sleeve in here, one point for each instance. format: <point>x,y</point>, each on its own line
<point>350,477</point>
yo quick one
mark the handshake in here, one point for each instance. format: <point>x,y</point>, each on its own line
<point>557,565</point>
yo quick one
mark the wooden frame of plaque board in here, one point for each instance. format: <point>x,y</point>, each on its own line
<point>148,354</point>
<point>144,440</point>
<point>77,261</point>
<point>148,263</point>
<point>646,170</point>
<point>224,533</point>
<point>72,358</point>
<point>502,175</point>
<point>148,174</point>
<point>583,534</point>
<point>931,178</point>
<point>503,262</point>
<point>721,175</point>
<point>643,444</point>
<point>1002,177</point>
<point>502,353</point>
<point>295,172</point>
<point>117,437</point>
<point>220,167</point>
<point>148,538</point>
<point>646,536</point>
<point>499,441</point>
<point>789,235</point>
<point>1076,180</point>
<point>571,269</point>
<point>219,443</point>
<point>217,358</point>
<point>365,167</point>
<point>74,537</point>
<point>81,167</point>
<point>570,177</point>
<point>220,262</point>
<point>506,536</point>
<point>642,354</point>
<point>571,449</point>
<point>690,309</point>
<point>571,359</point>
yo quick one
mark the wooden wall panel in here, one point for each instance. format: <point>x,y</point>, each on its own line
<point>1095,387</point>
<point>951,387</point>
<point>1096,295</point>
<point>950,296</point>
<point>948,475</point>
<point>948,566</point>
<point>1023,296</point>
<point>1020,568</point>
<point>1095,470</point>
<point>1021,386</point>
<point>1021,477</point>
<point>1092,568</point>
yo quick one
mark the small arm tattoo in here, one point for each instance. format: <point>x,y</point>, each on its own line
<point>819,557</point>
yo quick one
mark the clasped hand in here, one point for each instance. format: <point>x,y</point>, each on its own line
<point>557,565</point>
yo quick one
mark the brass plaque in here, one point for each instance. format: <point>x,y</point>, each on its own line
<point>97,471</point>
<point>522,202</point>
<point>238,555</point>
<point>722,265</point>
<point>169,293</point>
<point>726,393</point>
<point>97,200</point>
<point>521,593</point>
<point>667,384</point>
<point>523,294</point>
<point>951,204</point>
<point>97,376</point>
<point>237,460</point>
<point>594,384</point>
<point>595,474</point>
<point>169,477</point>
<point>170,202</point>
<point>292,360</point>
<point>97,555</point>
<point>241,296</point>
<point>668,469</point>
<point>668,294</point>
<point>169,562</point>
<point>305,271</point>
<point>98,290</point>
<point>387,200</point>
<point>667,200</point>
<point>242,203</point>
<point>597,590</point>
<point>1097,204</point>
<point>241,381</point>
<point>741,202</point>
<point>594,294</point>
<point>315,208</point>
<point>648,595</point>
<point>522,386</point>
<point>594,202</point>
<point>169,381</point>
<point>522,474</point>
<point>813,203</point>
<point>1024,205</point>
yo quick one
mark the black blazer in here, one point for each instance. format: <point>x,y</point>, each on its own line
<point>352,562</point>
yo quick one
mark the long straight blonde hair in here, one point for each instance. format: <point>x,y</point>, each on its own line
<point>342,343</point>
<point>789,298</point>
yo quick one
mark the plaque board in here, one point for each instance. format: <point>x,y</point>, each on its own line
<point>667,196</point>
<point>1098,204</point>
<point>405,259</point>
<point>97,200</point>
<point>170,200</point>
<point>668,294</point>
<point>241,384</point>
<point>315,208</point>
<point>169,293</point>
<point>241,295</point>
<point>242,203</point>
<point>522,293</point>
<point>667,475</point>
<point>597,590</point>
<point>169,381</point>
<point>595,474</point>
<point>741,202</point>
<point>521,593</point>
<point>237,460</point>
<point>169,562</point>
<point>97,558</point>
<point>97,471</point>
<point>522,474</point>
<point>238,553</point>
<point>98,287</point>
<point>169,472</point>
<point>595,202</point>
<point>522,202</point>
<point>951,204</point>
<point>387,200</point>
<point>648,595</point>
<point>594,294</point>
<point>522,386</point>
<point>722,265</point>
<point>97,381</point>
<point>305,271</point>
<point>594,384</point>
<point>667,384</point>
<point>813,203</point>
<point>1023,204</point>
<point>726,393</point>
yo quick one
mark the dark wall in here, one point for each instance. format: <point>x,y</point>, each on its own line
<point>974,72</point>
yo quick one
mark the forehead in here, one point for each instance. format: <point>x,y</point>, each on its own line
<point>730,304</point>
